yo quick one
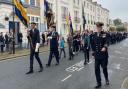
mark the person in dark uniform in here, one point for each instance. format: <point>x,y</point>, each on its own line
<point>34,47</point>
<point>100,53</point>
<point>54,37</point>
<point>43,39</point>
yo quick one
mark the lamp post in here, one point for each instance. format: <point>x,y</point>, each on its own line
<point>13,43</point>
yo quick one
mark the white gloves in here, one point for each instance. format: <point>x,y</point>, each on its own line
<point>49,37</point>
<point>37,47</point>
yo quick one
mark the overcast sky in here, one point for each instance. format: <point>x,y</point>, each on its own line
<point>118,8</point>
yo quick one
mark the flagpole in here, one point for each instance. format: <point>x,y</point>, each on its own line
<point>13,7</point>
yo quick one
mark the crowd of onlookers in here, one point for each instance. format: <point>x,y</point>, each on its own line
<point>6,41</point>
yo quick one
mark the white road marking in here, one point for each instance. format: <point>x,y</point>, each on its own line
<point>122,57</point>
<point>118,52</point>
<point>77,67</point>
<point>80,69</point>
<point>66,78</point>
<point>118,66</point>
<point>90,62</point>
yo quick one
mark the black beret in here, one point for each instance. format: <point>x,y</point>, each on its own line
<point>33,23</point>
<point>99,24</point>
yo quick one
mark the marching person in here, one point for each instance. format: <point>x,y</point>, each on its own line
<point>70,46</point>
<point>43,39</point>
<point>86,46</point>
<point>62,47</point>
<point>100,53</point>
<point>34,47</point>
<point>53,36</point>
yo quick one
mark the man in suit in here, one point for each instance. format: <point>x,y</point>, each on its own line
<point>100,53</point>
<point>54,37</point>
<point>34,47</point>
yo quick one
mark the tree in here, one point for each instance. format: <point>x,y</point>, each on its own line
<point>117,22</point>
<point>121,29</point>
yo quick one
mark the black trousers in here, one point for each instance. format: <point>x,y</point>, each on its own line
<point>2,48</point>
<point>62,50</point>
<point>36,54</point>
<point>56,54</point>
<point>70,53</point>
<point>86,55</point>
<point>101,63</point>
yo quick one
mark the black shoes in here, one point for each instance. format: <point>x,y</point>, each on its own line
<point>41,69</point>
<point>47,65</point>
<point>57,64</point>
<point>98,86</point>
<point>85,63</point>
<point>30,72</point>
<point>107,82</point>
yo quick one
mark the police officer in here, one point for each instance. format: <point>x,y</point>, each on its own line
<point>100,53</point>
<point>34,47</point>
<point>54,37</point>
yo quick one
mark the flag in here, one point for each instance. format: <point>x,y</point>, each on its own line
<point>67,20</point>
<point>21,13</point>
<point>70,24</point>
<point>46,7</point>
<point>83,16</point>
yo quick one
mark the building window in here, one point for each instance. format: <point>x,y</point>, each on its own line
<point>88,5</point>
<point>36,20</point>
<point>85,3</point>
<point>64,29</point>
<point>74,1</point>
<point>64,12</point>
<point>32,2</point>
<point>78,2</point>
<point>32,19</point>
<point>91,7</point>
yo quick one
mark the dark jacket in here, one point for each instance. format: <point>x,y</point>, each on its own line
<point>6,39</point>
<point>43,37</point>
<point>97,43</point>
<point>20,36</point>
<point>54,41</point>
<point>87,41</point>
<point>34,37</point>
<point>2,40</point>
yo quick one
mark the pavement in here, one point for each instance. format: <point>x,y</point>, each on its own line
<point>68,75</point>
<point>20,53</point>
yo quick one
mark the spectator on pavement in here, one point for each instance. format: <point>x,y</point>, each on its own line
<point>20,36</point>
<point>7,41</point>
<point>2,43</point>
